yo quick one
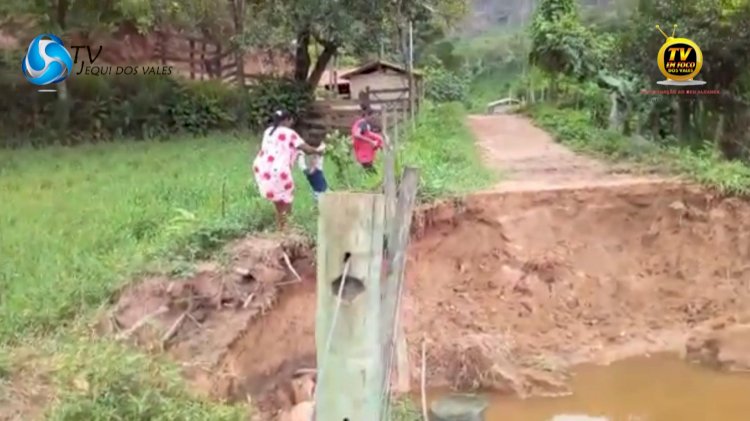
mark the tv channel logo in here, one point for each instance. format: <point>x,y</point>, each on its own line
<point>47,61</point>
<point>679,60</point>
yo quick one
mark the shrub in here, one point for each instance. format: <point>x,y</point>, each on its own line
<point>446,86</point>
<point>141,107</point>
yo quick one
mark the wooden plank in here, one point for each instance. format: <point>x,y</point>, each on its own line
<point>388,299</point>
<point>340,103</point>
<point>389,91</point>
<point>227,67</point>
<point>350,371</point>
<point>405,101</point>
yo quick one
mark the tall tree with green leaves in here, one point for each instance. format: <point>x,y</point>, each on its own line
<point>354,25</point>
<point>560,44</point>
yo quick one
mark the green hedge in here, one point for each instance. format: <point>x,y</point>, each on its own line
<point>140,107</point>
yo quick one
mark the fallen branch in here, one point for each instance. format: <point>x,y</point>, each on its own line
<point>140,323</point>
<point>248,300</point>
<point>114,325</point>
<point>173,330</point>
<point>290,267</point>
<point>303,371</point>
<point>176,325</point>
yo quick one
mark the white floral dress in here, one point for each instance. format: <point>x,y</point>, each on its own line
<point>273,164</point>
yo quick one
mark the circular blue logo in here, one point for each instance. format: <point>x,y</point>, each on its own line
<point>47,61</point>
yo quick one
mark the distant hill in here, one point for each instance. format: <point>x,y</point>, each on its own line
<point>487,14</point>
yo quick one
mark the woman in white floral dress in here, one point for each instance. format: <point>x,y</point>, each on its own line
<point>273,164</point>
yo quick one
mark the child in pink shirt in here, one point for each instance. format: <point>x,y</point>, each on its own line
<point>365,141</point>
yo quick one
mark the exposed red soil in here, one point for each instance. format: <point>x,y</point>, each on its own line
<point>511,288</point>
<point>528,284</point>
<point>223,305</point>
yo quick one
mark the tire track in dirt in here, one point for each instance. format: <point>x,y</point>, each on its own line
<point>531,159</point>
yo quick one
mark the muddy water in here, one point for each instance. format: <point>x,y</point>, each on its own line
<point>645,389</point>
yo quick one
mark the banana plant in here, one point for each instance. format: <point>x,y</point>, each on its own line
<point>623,89</point>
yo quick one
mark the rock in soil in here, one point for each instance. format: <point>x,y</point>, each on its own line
<point>301,412</point>
<point>727,349</point>
<point>459,408</point>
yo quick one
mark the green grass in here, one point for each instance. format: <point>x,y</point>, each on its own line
<point>705,166</point>
<point>102,380</point>
<point>444,149</point>
<point>405,410</point>
<point>78,223</point>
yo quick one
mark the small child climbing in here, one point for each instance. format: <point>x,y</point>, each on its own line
<point>366,142</point>
<point>312,167</point>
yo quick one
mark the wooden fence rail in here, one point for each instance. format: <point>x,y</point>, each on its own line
<point>326,116</point>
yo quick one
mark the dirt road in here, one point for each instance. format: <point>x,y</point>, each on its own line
<point>531,160</point>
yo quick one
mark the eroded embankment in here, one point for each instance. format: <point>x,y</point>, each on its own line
<point>511,289</point>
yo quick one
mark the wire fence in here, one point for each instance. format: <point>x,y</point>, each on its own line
<point>400,198</point>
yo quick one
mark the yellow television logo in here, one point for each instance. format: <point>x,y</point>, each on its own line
<point>680,61</point>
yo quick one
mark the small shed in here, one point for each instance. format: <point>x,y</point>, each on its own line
<point>331,81</point>
<point>383,80</point>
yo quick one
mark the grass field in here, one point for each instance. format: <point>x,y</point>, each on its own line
<point>75,224</point>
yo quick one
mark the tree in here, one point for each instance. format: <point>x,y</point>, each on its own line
<point>560,45</point>
<point>356,25</point>
<point>722,30</point>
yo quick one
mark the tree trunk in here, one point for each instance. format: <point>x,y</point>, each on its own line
<point>627,128</point>
<point>677,123</point>
<point>731,136</point>
<point>655,123</point>
<point>329,50</point>
<point>719,131</point>
<point>302,56</point>
<point>614,112</point>
<point>61,13</point>
<point>238,16</point>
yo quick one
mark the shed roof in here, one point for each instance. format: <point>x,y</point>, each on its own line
<point>325,79</point>
<point>374,65</point>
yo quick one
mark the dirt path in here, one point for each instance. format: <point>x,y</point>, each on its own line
<point>531,160</point>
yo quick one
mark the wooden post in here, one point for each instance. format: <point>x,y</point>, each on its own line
<point>163,49</point>
<point>398,230</point>
<point>395,127</point>
<point>350,229</point>
<point>411,73</point>
<point>191,44</point>
<point>389,187</point>
<point>405,114</point>
<point>384,119</point>
<point>218,71</point>
<point>203,60</point>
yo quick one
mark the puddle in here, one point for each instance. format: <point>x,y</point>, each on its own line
<point>660,388</point>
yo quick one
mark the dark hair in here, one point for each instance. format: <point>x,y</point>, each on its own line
<point>278,117</point>
<point>367,110</point>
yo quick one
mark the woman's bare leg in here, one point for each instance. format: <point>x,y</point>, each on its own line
<point>282,212</point>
